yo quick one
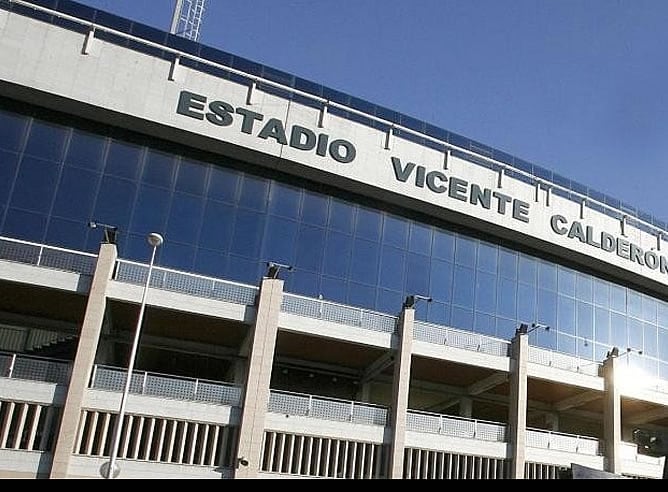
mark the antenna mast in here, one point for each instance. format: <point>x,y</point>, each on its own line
<point>187,18</point>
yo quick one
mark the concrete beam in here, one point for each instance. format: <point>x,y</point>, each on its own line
<point>487,383</point>
<point>378,366</point>
<point>647,416</point>
<point>576,400</point>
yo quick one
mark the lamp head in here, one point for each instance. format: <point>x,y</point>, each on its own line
<point>154,239</point>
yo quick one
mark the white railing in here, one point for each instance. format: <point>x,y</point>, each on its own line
<point>187,283</point>
<point>570,443</point>
<point>443,335</point>
<point>34,368</point>
<point>448,425</point>
<point>322,407</point>
<point>47,256</point>
<point>166,386</point>
<point>338,313</point>
<point>629,452</point>
<point>566,362</point>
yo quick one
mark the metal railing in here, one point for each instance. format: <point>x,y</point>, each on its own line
<point>448,425</point>
<point>166,386</point>
<point>566,362</point>
<point>443,335</point>
<point>570,443</point>
<point>15,366</point>
<point>187,283</point>
<point>47,256</point>
<point>338,313</point>
<point>322,407</point>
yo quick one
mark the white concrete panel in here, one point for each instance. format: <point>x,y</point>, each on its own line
<point>161,407</point>
<point>15,463</point>
<point>324,428</point>
<point>44,277</point>
<point>423,440</point>
<point>562,458</point>
<point>337,331</point>
<point>32,391</point>
<point>571,378</point>
<point>89,467</point>
<point>469,357</point>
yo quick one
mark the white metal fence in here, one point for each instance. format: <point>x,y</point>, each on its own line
<point>178,388</point>
<point>338,313</point>
<point>448,425</point>
<point>187,283</point>
<point>34,368</point>
<point>320,407</point>
<point>47,256</point>
<point>570,443</point>
<point>440,465</point>
<point>443,335</point>
<point>27,426</point>
<point>566,362</point>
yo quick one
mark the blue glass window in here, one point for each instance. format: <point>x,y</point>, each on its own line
<point>420,239</point>
<point>223,184</point>
<point>114,202</point>
<point>86,150</point>
<point>26,225</point>
<point>485,299</point>
<point>602,325</point>
<point>279,241</point>
<point>507,298</point>
<point>566,344</point>
<point>310,248</point>
<point>159,168</point>
<point>662,314</point>
<point>650,347</point>
<point>618,332</point>
<point>395,231</point>
<point>526,302</point>
<point>284,200</point>
<point>361,295</point>
<point>438,313</point>
<point>368,224</point>
<point>254,192</point>
<point>150,212</point>
<point>634,304</point>
<point>462,318</point>
<point>528,269</point>
<point>465,251</point>
<point>66,233</point>
<point>34,185</point>
<point>547,308</point>
<point>601,293</point>
<point>663,344</point>
<point>440,280</point>
<point>46,140</point>
<point>338,250</point>
<point>507,263</point>
<point>566,314</point>
<point>444,245</point>
<point>334,289</point>
<point>123,159</point>
<point>13,129</point>
<point>76,194</point>
<point>464,286</point>
<point>649,306</point>
<point>306,284</point>
<point>245,270</point>
<point>315,209</point>
<point>191,177</point>
<point>617,298</point>
<point>547,275</point>
<point>247,235</point>
<point>635,333</point>
<point>178,256</point>
<point>417,274</point>
<point>584,287</point>
<point>392,266</point>
<point>585,320</point>
<point>219,225</point>
<point>341,216</point>
<point>8,165</point>
<point>566,281</point>
<point>485,324</point>
<point>506,328</point>
<point>213,263</point>
<point>364,267</point>
<point>487,258</point>
<point>185,216</point>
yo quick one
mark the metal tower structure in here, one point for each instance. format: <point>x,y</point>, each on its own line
<point>187,18</point>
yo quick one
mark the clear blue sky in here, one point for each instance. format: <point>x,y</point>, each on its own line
<point>576,86</point>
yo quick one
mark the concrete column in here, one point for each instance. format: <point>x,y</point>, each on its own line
<point>262,343</point>
<point>400,388</point>
<point>83,360</point>
<point>517,418</point>
<point>612,416</point>
<point>465,407</point>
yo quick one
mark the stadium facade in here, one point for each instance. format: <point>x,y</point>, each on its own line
<point>343,291</point>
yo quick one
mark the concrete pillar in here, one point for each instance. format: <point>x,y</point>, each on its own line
<point>517,418</point>
<point>83,360</point>
<point>262,343</point>
<point>612,416</point>
<point>400,389</point>
<point>465,407</point>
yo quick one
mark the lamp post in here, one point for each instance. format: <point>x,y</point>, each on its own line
<point>111,469</point>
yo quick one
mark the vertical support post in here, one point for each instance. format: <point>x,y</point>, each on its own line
<point>612,415</point>
<point>517,417</point>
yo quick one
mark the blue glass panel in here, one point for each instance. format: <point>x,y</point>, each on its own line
<point>545,338</point>
<point>364,267</point>
<point>34,185</point>
<point>219,222</point>
<point>420,238</point>
<point>361,295</point>
<point>663,344</point>
<point>547,308</point>
<point>123,159</point>
<point>25,225</point>
<point>566,344</point>
<point>635,333</point>
<point>338,251</point>
<point>66,233</point>
<point>547,275</point>
<point>444,245</point>
<point>649,307</point>
<point>417,274</point>
<point>584,348</point>
<point>341,216</point>
<point>585,320</point>
<point>618,332</point>
<point>114,202</point>
<point>634,303</point>
<point>395,231</point>
<point>279,240</point>
<point>46,140</point>
<point>314,209</point>
<point>191,177</point>
<point>284,200</point>
<point>506,328</point>
<point>305,283</point>
<point>177,255</point>
<point>462,318</point>
<point>650,347</point>
<point>8,165</point>
<point>584,287</point>
<point>333,289</point>
<point>438,313</point>
<point>566,281</point>
<point>75,194</point>
<point>246,270</point>
<point>617,298</point>
<point>223,184</point>
<point>507,298</point>
<point>213,263</point>
<point>247,236</point>
<point>526,302</point>
<point>485,323</point>
<point>662,314</point>
<point>86,150</point>
<point>392,266</point>
<point>464,286</point>
<point>389,301</point>
<point>485,295</point>
<point>185,217</point>
<point>601,292</point>
<point>12,130</point>
<point>310,248</point>
<point>368,224</point>
<point>528,269</point>
<point>150,212</point>
<point>602,325</point>
<point>508,263</point>
<point>487,258</point>
<point>465,251</point>
<point>566,315</point>
<point>440,280</point>
<point>159,168</point>
<point>254,193</point>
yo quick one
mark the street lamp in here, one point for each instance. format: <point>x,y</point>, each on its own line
<point>111,469</point>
